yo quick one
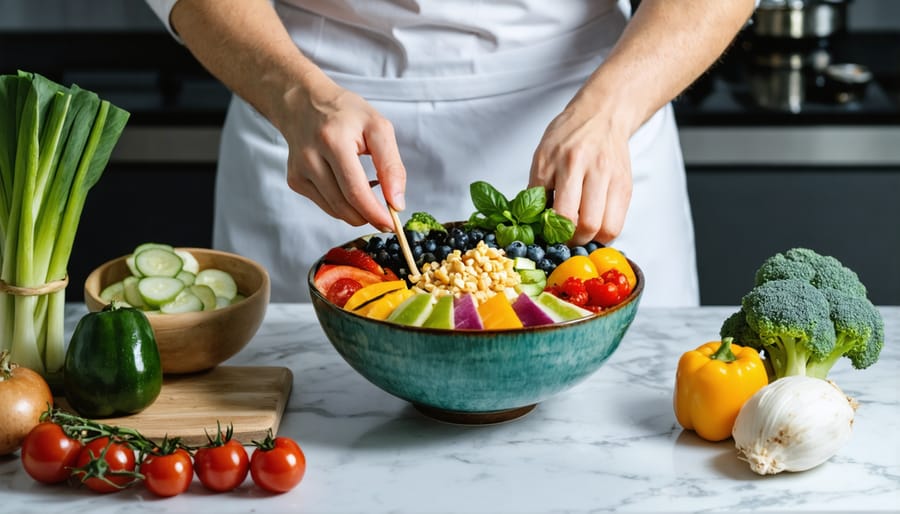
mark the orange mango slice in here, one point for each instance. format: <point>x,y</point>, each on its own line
<point>496,313</point>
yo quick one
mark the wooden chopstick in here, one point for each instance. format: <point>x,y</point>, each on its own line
<point>404,245</point>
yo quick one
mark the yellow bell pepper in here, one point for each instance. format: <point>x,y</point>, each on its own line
<point>711,385</point>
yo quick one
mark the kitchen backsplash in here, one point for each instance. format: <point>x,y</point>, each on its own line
<point>112,15</point>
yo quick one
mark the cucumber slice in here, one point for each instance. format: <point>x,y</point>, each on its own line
<point>132,295</point>
<point>520,263</point>
<point>115,291</point>
<point>186,301</point>
<point>129,261</point>
<point>158,262</point>
<point>156,291</point>
<point>141,247</point>
<point>190,262</point>
<point>186,276</point>
<point>221,302</point>
<point>238,297</point>
<point>220,281</point>
<point>205,294</point>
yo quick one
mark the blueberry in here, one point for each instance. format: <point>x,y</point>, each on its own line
<point>443,251</point>
<point>438,236</point>
<point>593,245</point>
<point>416,251</point>
<point>491,240</point>
<point>546,265</point>
<point>429,245</point>
<point>428,257</point>
<point>393,248</point>
<point>414,236</point>
<point>579,250</point>
<point>472,241</point>
<point>383,257</point>
<point>374,244</point>
<point>476,234</point>
<point>459,241</point>
<point>558,252</point>
<point>534,252</point>
<point>515,249</point>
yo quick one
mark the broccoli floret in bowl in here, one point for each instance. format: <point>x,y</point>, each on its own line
<point>423,223</point>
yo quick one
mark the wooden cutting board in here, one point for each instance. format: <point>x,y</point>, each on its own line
<point>252,398</point>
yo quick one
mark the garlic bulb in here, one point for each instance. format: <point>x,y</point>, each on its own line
<point>793,424</point>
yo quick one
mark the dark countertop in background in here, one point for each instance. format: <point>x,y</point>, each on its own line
<point>160,83</point>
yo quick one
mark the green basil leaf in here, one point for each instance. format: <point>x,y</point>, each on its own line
<point>477,220</point>
<point>487,199</point>
<point>506,234</point>
<point>528,205</point>
<point>557,229</point>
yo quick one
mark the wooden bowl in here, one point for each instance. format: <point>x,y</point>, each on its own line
<point>197,341</point>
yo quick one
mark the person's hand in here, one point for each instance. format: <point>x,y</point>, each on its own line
<point>583,159</point>
<point>327,128</point>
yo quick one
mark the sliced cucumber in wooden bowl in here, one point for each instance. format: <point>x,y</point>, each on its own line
<point>169,280</point>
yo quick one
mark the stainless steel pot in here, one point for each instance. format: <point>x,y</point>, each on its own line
<point>799,19</point>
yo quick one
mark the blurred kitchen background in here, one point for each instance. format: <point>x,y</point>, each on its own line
<point>792,139</point>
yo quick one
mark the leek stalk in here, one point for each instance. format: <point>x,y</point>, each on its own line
<point>55,142</point>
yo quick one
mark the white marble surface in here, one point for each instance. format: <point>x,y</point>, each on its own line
<point>609,444</point>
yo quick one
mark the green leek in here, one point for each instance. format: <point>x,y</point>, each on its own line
<point>55,142</point>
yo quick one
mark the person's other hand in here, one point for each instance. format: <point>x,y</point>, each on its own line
<point>583,159</point>
<point>327,128</point>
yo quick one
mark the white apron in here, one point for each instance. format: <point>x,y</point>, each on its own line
<point>470,104</point>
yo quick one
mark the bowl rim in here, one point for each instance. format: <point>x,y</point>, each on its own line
<point>632,297</point>
<point>265,284</point>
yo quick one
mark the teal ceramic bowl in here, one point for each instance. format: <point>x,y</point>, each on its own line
<point>475,376</point>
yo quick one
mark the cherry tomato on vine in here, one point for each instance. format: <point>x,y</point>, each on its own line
<point>105,466</point>
<point>278,464</point>
<point>168,474</point>
<point>222,464</point>
<point>48,454</point>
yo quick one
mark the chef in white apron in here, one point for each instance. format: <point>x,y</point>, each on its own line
<point>469,88</point>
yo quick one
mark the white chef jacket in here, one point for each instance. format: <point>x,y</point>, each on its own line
<point>469,86</point>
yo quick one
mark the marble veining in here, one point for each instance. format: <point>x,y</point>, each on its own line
<point>609,444</point>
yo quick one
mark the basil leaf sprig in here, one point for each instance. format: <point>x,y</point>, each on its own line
<point>523,218</point>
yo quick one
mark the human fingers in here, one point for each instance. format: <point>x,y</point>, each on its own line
<point>312,176</point>
<point>382,146</point>
<point>353,187</point>
<point>619,188</point>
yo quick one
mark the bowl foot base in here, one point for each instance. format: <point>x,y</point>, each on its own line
<point>474,418</point>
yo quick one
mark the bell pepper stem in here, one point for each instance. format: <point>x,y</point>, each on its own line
<point>724,352</point>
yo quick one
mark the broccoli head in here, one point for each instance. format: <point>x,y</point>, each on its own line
<point>822,271</point>
<point>424,223</point>
<point>859,333</point>
<point>736,327</point>
<point>792,320</point>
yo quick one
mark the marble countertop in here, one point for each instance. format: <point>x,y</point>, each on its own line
<point>609,444</point>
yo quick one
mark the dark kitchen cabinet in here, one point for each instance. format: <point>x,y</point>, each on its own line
<point>743,215</point>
